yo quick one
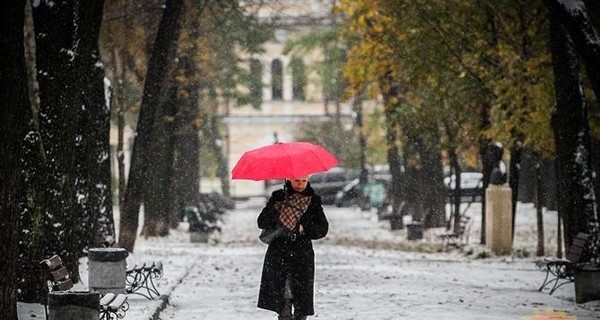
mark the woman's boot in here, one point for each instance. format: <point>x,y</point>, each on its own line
<point>286,311</point>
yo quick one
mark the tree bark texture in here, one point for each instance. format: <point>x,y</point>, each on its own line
<point>423,180</point>
<point>539,210</point>
<point>93,127</point>
<point>162,58</point>
<point>395,190</point>
<point>486,167</point>
<point>577,207</point>
<point>573,14</point>
<point>514,167</point>
<point>15,122</point>
<point>157,208</point>
<point>59,118</point>
<point>187,144</point>
<point>74,123</point>
<point>456,199</point>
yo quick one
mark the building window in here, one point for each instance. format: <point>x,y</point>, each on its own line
<point>298,79</point>
<point>277,79</point>
<point>256,71</point>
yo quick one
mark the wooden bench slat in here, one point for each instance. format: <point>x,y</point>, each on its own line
<point>117,302</point>
<point>52,262</point>
<point>107,298</point>
<point>60,273</point>
<point>63,285</point>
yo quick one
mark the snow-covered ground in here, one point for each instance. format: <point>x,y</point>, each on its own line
<point>362,272</point>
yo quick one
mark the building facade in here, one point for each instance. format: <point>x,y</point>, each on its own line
<point>291,91</point>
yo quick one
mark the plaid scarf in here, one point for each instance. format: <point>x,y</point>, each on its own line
<point>291,209</point>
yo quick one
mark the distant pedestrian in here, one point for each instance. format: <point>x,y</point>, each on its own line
<point>289,267</point>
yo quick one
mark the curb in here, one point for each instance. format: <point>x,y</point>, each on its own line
<point>165,298</point>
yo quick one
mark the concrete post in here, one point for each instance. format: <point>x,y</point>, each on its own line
<point>107,267</point>
<point>498,217</point>
<point>73,305</point>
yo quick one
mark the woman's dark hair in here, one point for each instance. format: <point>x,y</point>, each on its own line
<point>289,190</point>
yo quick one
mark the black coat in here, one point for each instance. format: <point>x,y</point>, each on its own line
<point>295,258</point>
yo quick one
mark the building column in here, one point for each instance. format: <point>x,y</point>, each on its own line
<point>287,79</point>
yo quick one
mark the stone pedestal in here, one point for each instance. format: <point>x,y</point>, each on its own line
<point>498,219</point>
<point>73,305</point>
<point>587,284</point>
<point>107,268</point>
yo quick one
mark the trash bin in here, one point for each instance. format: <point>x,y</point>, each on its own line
<point>108,267</point>
<point>587,283</point>
<point>414,230</point>
<point>73,305</point>
<point>396,222</point>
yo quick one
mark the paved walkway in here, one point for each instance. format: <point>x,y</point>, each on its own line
<point>360,275</point>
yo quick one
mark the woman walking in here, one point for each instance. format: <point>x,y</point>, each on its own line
<point>287,284</point>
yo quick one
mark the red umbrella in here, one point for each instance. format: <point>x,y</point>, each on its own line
<point>283,160</point>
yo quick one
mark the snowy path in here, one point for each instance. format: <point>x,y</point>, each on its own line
<point>354,282</point>
<point>360,275</point>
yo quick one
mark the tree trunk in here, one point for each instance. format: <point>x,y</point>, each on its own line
<point>539,210</point>
<point>577,207</point>
<point>395,190</point>
<point>15,123</point>
<point>58,57</point>
<point>514,168</point>
<point>157,209</point>
<point>118,102</point>
<point>94,177</point>
<point>74,124</point>
<point>424,194</point>
<point>187,144</point>
<point>486,167</point>
<point>161,60</point>
<point>456,198</point>
<point>573,15</point>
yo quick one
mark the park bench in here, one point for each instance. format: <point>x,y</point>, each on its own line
<point>140,278</point>
<point>561,271</point>
<point>112,306</point>
<point>460,236</point>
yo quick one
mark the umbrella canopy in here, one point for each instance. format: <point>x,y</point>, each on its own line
<point>283,160</point>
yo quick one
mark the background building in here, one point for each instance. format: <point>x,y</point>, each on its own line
<point>291,90</point>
